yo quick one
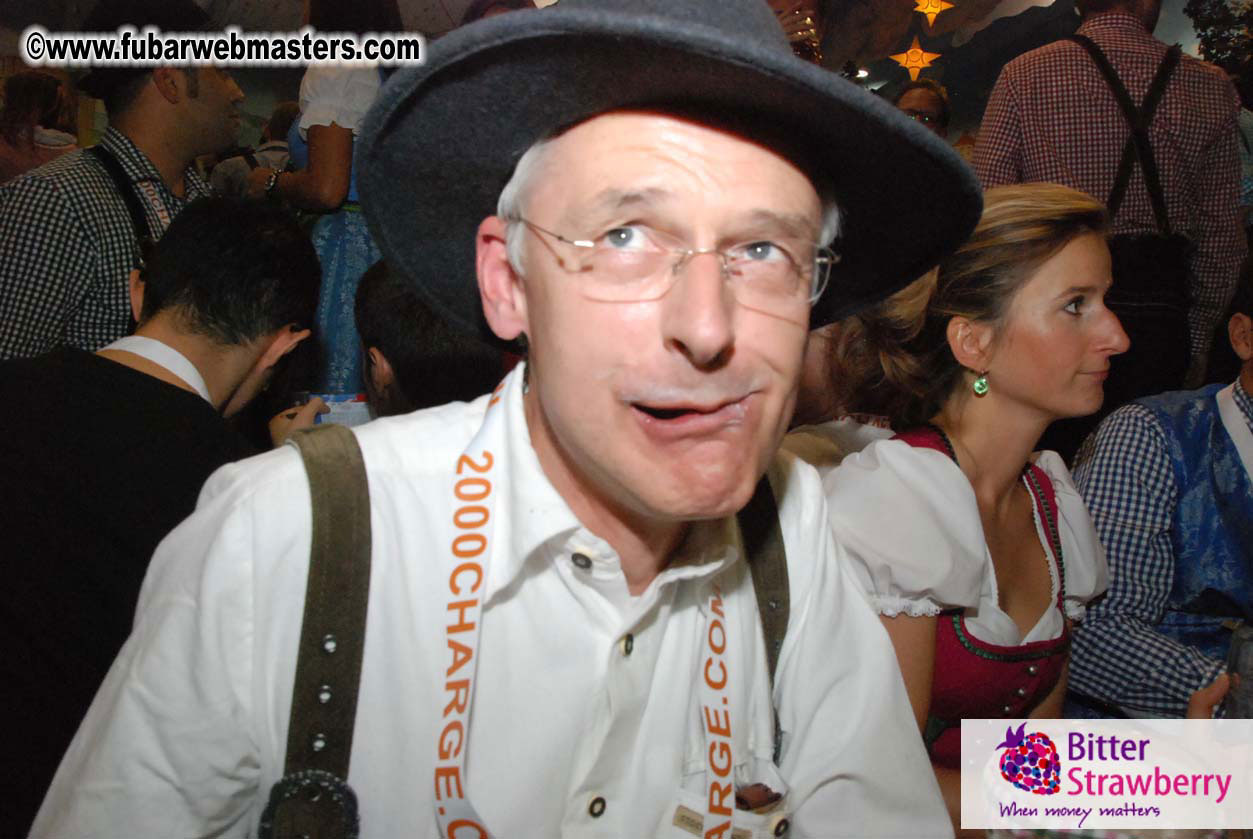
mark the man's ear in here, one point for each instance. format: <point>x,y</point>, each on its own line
<point>379,369</point>
<point>171,83</point>
<point>970,342</point>
<point>135,287</point>
<point>504,300</point>
<point>1240,331</point>
<point>281,343</point>
<point>257,378</point>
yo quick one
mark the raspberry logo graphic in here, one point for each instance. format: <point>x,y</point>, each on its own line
<point>1030,762</point>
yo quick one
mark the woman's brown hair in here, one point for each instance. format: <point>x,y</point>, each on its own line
<point>895,358</point>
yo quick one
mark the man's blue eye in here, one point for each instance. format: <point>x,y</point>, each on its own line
<point>762,251</point>
<point>625,238</point>
<point>1074,306</point>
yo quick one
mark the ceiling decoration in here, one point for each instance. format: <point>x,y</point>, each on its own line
<point>915,59</point>
<point>865,31</point>
<point>932,9</point>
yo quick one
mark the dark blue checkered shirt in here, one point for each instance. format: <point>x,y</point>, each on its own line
<point>67,245</point>
<point>1126,478</point>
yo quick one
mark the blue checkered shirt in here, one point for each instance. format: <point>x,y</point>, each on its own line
<point>67,245</point>
<point>1126,479</point>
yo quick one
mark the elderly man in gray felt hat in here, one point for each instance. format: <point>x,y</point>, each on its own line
<point>568,629</point>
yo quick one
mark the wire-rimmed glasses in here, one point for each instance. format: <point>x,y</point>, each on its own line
<point>634,262</point>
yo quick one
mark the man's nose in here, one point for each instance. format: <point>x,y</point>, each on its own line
<point>698,313</point>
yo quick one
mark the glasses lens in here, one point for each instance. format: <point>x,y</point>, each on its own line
<point>770,269</point>
<point>824,258</point>
<point>630,263</point>
<point>634,263</point>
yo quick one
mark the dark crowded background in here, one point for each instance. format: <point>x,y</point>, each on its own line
<point>974,40</point>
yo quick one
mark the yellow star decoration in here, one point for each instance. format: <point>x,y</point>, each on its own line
<point>932,9</point>
<point>914,59</point>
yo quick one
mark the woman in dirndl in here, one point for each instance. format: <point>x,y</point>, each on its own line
<point>976,550</point>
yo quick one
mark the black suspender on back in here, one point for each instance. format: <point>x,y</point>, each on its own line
<point>1138,119</point>
<point>126,190</point>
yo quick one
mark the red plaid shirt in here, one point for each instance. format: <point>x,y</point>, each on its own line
<point>1052,117</point>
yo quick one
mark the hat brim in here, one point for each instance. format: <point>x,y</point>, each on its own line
<point>443,138</point>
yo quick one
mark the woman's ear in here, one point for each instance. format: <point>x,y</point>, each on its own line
<point>970,342</point>
<point>504,299</point>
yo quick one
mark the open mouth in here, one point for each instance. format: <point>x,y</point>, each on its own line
<point>669,413</point>
<point>685,420</point>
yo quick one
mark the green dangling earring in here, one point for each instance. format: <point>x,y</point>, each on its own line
<point>980,386</point>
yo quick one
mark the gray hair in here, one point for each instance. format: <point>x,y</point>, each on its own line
<point>509,207</point>
<point>516,192</point>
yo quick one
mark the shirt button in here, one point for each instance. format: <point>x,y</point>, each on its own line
<point>1032,670</point>
<point>628,644</point>
<point>596,808</point>
<point>1021,692</point>
<point>581,561</point>
<point>1006,709</point>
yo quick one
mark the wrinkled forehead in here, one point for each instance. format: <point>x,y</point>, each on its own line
<point>658,154</point>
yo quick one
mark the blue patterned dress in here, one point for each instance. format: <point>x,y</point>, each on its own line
<point>346,249</point>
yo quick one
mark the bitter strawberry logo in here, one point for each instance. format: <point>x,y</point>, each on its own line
<point>1030,762</point>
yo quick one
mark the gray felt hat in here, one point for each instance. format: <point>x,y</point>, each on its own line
<point>443,138</point>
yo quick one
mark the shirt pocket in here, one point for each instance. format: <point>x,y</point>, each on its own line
<point>684,815</point>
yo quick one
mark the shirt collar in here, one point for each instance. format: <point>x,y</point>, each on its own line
<point>138,167</point>
<point>1243,401</point>
<point>531,512</point>
<point>536,523</point>
<point>165,357</point>
<point>1113,22</point>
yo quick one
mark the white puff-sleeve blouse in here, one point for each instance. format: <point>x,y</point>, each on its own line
<point>339,95</point>
<point>908,520</point>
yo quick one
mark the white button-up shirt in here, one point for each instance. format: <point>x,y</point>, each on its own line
<point>188,732</point>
